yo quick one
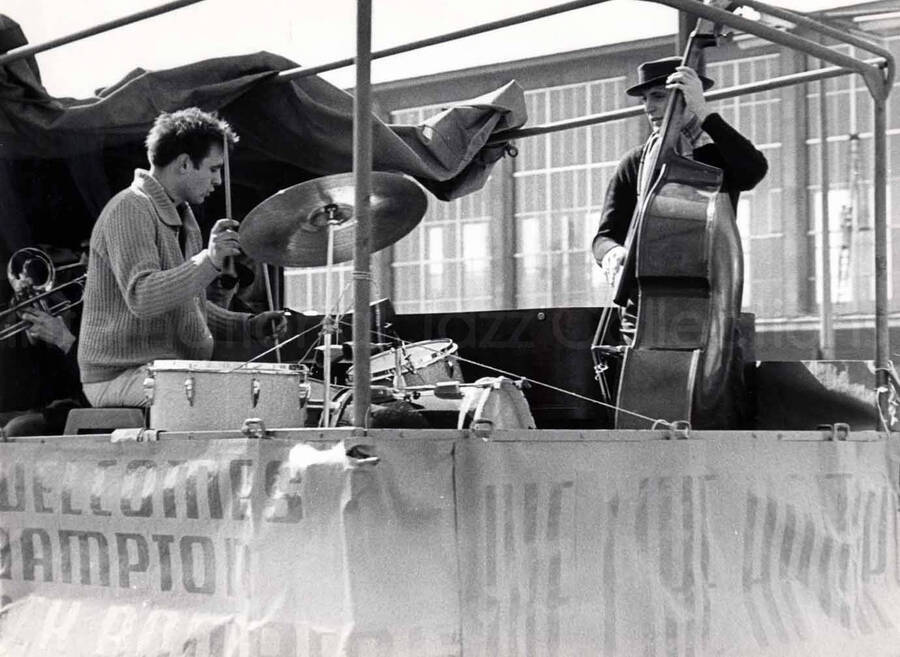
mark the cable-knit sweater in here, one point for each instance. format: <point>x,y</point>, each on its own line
<point>145,300</point>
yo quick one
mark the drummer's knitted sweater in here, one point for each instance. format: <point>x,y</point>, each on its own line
<point>145,299</point>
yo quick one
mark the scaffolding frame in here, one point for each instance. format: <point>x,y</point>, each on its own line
<point>878,74</point>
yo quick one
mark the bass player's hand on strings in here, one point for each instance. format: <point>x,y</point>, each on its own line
<point>688,82</point>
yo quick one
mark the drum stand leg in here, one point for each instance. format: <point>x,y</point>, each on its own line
<point>399,383</point>
<point>271,300</point>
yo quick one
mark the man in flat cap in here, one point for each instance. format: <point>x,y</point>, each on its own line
<point>706,138</point>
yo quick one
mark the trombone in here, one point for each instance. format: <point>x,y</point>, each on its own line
<point>32,274</point>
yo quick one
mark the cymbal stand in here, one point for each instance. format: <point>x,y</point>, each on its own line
<point>329,326</point>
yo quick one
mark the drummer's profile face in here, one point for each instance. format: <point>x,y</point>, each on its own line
<point>200,181</point>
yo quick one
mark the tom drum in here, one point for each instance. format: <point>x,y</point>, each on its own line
<point>421,364</point>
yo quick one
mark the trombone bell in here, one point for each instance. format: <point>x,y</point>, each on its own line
<point>31,275</point>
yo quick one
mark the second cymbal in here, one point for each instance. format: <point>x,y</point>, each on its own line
<point>290,228</point>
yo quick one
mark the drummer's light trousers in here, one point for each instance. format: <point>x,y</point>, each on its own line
<point>127,389</point>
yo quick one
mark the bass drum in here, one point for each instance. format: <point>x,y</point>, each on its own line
<point>421,364</point>
<point>496,402</point>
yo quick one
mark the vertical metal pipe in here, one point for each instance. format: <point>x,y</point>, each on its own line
<point>882,330</point>
<point>362,177</point>
<point>826,311</point>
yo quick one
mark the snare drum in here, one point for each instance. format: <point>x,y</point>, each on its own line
<point>196,395</point>
<point>421,364</point>
<point>496,400</point>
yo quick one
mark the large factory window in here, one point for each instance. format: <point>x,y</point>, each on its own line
<point>850,196</point>
<point>304,289</point>
<point>758,117</point>
<point>560,181</point>
<point>448,261</point>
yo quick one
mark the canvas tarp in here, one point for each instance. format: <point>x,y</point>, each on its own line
<point>61,159</point>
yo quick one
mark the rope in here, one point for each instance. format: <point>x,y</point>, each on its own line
<point>655,422</point>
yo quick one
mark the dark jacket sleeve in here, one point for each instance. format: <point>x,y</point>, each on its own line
<point>618,205</point>
<point>742,164</point>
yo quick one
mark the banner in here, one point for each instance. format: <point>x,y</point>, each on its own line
<point>437,543</point>
<point>222,547</point>
<point>690,547</point>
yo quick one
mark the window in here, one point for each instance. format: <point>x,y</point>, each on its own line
<point>759,215</point>
<point>304,288</point>
<point>448,261</point>
<point>851,186</point>
<point>560,182</point>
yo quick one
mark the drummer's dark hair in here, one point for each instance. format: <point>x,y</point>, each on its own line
<point>190,131</point>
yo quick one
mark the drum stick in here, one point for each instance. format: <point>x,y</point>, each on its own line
<point>229,262</point>
<point>226,172</point>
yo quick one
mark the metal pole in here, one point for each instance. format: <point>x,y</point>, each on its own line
<point>362,178</point>
<point>826,314</point>
<point>821,28</point>
<point>298,72</point>
<point>628,112</point>
<point>882,330</point>
<point>328,328</point>
<point>872,75</point>
<point>27,51</point>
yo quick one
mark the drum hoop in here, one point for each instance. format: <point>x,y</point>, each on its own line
<point>222,367</point>
<point>436,354</point>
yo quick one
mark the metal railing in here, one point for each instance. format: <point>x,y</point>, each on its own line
<point>28,51</point>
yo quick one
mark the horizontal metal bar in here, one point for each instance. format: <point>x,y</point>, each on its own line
<point>27,51</point>
<point>821,28</point>
<point>834,33</point>
<point>874,78</point>
<point>637,110</point>
<point>294,73</point>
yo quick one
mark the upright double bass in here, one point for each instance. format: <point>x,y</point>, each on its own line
<point>684,267</point>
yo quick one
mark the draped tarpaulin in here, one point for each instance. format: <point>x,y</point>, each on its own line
<point>61,159</point>
<point>525,543</point>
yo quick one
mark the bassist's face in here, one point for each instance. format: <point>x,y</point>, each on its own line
<point>655,104</point>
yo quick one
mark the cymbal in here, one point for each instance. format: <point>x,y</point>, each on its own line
<point>290,228</point>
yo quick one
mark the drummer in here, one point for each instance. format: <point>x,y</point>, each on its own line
<point>145,294</point>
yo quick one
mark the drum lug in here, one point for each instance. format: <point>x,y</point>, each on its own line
<point>189,390</point>
<point>150,388</point>
<point>254,392</point>
<point>254,427</point>
<point>482,428</point>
